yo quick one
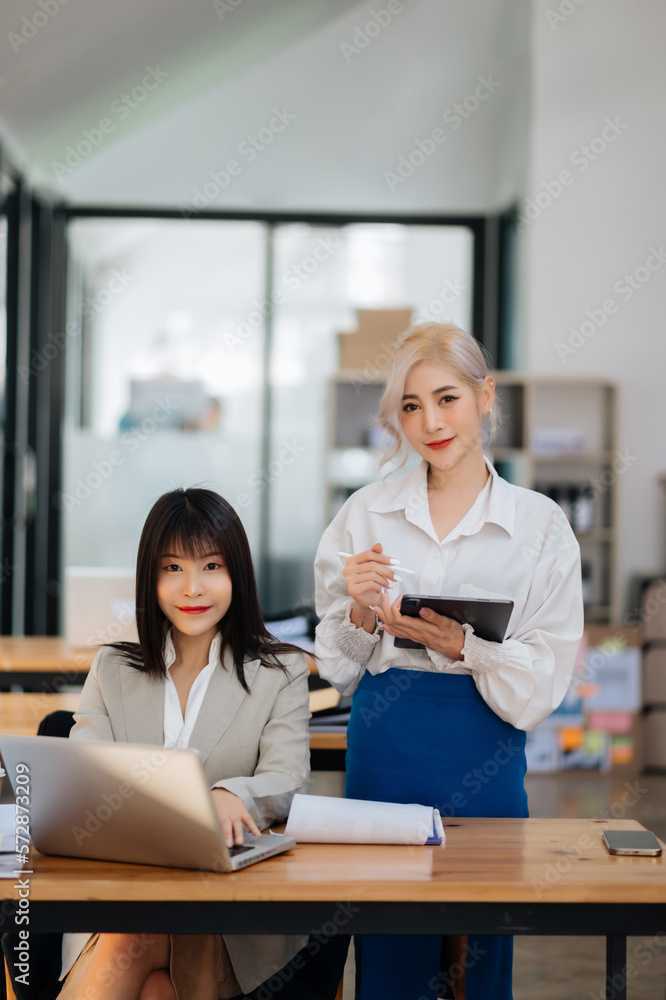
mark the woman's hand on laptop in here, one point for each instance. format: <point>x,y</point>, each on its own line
<point>233,816</point>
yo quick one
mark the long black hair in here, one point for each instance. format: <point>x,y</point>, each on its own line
<point>197,522</point>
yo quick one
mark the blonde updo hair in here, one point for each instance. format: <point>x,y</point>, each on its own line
<point>439,343</point>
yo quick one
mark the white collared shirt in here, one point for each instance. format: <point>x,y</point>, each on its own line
<point>178,730</point>
<point>512,543</point>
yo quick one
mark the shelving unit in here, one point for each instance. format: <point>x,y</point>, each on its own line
<point>534,408</point>
<point>536,411</point>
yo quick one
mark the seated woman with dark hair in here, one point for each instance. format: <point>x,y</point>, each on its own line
<point>205,674</point>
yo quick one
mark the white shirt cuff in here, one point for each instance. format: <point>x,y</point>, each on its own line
<point>355,643</point>
<point>481,656</point>
<point>441,661</point>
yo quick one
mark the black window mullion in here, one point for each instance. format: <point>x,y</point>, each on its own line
<point>33,543</point>
<point>12,206</point>
<point>19,242</point>
<point>50,508</point>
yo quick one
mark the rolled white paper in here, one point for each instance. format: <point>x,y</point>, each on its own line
<point>322,819</point>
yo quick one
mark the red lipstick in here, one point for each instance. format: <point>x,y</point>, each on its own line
<point>437,445</point>
<point>195,611</point>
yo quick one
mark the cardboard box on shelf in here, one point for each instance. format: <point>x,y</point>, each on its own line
<point>371,346</point>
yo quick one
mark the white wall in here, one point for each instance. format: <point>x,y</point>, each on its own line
<point>603,61</point>
<point>363,89</point>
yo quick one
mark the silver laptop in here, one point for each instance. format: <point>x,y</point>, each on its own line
<point>125,802</point>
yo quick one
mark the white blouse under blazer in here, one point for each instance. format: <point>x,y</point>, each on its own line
<point>513,543</point>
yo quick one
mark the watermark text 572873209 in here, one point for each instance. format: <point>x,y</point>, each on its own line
<point>22,884</point>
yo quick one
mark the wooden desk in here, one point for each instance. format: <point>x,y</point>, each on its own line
<point>493,876</point>
<point>20,714</point>
<point>328,751</point>
<point>58,663</point>
<point>42,663</point>
<point>47,663</point>
<point>328,741</point>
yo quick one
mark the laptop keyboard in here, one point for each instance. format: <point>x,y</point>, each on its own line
<point>239,849</point>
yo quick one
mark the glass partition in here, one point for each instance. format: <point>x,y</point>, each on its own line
<point>3,346</point>
<point>168,382</point>
<point>324,394</point>
<point>162,389</point>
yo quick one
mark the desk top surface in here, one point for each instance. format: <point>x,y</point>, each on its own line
<point>483,860</point>
<point>40,653</point>
<point>44,653</point>
<point>21,713</point>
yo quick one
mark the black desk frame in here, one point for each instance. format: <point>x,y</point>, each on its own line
<point>614,921</point>
<point>42,681</point>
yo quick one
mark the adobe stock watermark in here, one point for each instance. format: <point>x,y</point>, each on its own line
<point>93,305</point>
<point>438,309</point>
<point>644,952</point>
<point>455,116</point>
<point>554,872</point>
<point>625,288</point>
<point>365,33</point>
<point>103,470</point>
<point>92,819</point>
<point>476,779</point>
<point>564,11</point>
<point>121,108</point>
<point>317,940</point>
<point>6,570</point>
<point>558,527</point>
<point>31,26</point>
<point>118,965</point>
<point>248,150</point>
<point>224,7</point>
<point>620,463</point>
<point>374,368</point>
<point>581,158</point>
<point>383,701</point>
<point>457,970</point>
<point>259,481</point>
<point>291,280</point>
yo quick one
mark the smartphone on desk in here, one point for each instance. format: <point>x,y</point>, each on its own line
<point>640,842</point>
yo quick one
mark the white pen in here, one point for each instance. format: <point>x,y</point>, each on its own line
<point>394,562</point>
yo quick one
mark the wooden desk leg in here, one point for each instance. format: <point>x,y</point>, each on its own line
<point>616,967</point>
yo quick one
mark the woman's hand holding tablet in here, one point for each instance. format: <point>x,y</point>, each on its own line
<point>442,634</point>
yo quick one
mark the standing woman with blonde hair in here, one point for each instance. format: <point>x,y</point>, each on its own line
<point>450,730</point>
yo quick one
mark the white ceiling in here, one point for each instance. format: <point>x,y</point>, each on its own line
<point>225,71</point>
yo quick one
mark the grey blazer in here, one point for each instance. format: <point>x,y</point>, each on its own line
<point>255,745</point>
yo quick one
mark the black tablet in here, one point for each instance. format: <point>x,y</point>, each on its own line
<point>488,616</point>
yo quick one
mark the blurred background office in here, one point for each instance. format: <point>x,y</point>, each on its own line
<point>216,216</point>
<point>199,199</point>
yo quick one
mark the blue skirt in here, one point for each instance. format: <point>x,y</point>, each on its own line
<point>416,736</point>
